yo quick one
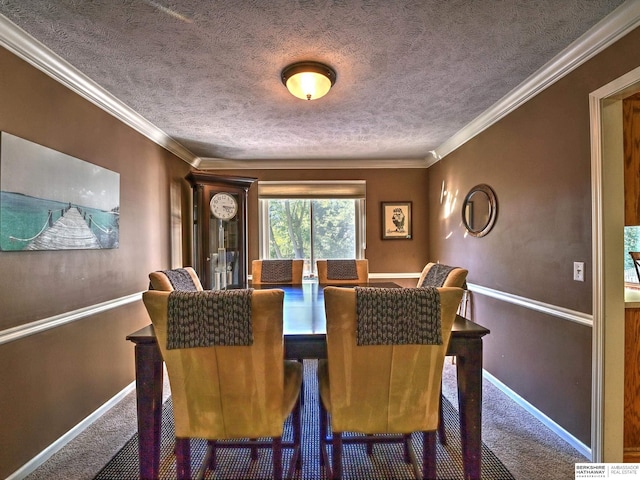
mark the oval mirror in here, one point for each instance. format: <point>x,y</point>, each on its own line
<point>479,210</point>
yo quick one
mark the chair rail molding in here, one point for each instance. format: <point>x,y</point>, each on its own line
<point>553,310</point>
<point>32,328</point>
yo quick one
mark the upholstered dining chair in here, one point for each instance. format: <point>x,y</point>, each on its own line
<point>229,381</point>
<point>343,272</point>
<point>383,383</point>
<point>184,278</point>
<point>440,275</point>
<point>277,271</point>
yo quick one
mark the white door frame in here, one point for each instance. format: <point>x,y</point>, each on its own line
<point>607,186</point>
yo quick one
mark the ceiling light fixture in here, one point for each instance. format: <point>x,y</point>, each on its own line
<point>308,80</point>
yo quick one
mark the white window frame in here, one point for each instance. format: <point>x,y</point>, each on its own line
<point>313,190</point>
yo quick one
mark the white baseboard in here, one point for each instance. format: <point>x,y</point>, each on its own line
<point>544,419</point>
<point>48,452</point>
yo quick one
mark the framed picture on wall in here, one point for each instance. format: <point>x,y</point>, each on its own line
<point>53,201</point>
<point>396,220</point>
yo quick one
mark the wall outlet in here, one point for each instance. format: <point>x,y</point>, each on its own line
<point>578,271</point>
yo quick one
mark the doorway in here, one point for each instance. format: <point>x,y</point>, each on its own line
<point>607,186</point>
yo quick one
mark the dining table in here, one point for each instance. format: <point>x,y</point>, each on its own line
<point>304,338</point>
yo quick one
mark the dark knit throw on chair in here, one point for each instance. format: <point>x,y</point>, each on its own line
<point>276,271</point>
<point>180,280</point>
<point>437,275</point>
<point>398,316</point>
<point>208,318</point>
<point>342,270</point>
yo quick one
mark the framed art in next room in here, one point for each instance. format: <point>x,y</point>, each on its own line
<point>396,220</point>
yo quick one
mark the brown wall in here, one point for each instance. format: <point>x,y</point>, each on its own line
<point>52,380</point>
<point>383,185</point>
<point>537,159</point>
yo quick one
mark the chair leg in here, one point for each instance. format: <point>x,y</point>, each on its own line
<point>369,447</point>
<point>428,455</point>
<point>213,458</point>
<point>302,385</point>
<point>206,462</point>
<point>297,433</point>
<point>254,450</point>
<point>337,455</point>
<point>277,458</point>
<point>183,458</point>
<point>322,413</point>
<point>405,444</point>
<point>442,431</point>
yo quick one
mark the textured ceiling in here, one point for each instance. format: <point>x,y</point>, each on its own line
<point>410,74</point>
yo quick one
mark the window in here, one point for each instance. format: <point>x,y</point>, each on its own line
<point>312,220</point>
<point>631,244</point>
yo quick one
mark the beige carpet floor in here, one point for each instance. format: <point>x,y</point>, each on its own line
<point>526,447</point>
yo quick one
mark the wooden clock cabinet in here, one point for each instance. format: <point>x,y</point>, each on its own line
<point>220,250</point>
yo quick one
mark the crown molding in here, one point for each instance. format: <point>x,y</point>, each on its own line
<point>613,27</point>
<point>610,29</point>
<point>311,164</point>
<point>20,43</point>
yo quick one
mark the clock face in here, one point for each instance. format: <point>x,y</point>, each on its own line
<point>223,206</point>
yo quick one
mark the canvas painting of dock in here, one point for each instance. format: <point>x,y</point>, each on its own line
<point>53,201</point>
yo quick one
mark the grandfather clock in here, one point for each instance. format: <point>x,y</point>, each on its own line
<point>220,249</point>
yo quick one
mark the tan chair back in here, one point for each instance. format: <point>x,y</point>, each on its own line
<point>362,267</point>
<point>382,388</point>
<point>296,272</point>
<point>457,277</point>
<point>231,391</point>
<point>160,281</point>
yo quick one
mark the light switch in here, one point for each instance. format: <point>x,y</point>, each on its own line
<point>578,271</point>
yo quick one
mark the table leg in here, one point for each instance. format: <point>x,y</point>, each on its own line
<point>469,374</point>
<point>149,404</point>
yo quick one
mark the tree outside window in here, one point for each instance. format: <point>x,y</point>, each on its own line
<point>311,229</point>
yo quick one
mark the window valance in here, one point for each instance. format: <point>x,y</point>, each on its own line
<point>312,189</point>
